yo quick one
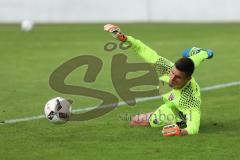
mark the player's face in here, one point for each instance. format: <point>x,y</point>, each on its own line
<point>177,78</point>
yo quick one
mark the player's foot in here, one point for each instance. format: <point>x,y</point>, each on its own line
<point>194,50</point>
<point>140,119</point>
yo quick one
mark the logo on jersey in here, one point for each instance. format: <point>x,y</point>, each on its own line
<point>171,97</point>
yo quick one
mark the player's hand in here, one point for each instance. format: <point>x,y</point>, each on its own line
<point>171,130</point>
<point>111,28</point>
<point>116,33</point>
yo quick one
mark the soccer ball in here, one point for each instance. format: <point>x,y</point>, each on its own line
<point>58,110</point>
<point>27,25</point>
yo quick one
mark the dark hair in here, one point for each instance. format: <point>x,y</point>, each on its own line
<point>185,65</point>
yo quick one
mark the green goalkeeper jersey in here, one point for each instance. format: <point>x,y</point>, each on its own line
<point>186,100</point>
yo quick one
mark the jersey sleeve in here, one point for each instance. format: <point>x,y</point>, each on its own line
<point>193,121</point>
<point>161,64</point>
<point>189,104</point>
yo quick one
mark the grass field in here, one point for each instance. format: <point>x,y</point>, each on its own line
<point>28,59</point>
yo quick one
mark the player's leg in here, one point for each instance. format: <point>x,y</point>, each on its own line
<point>197,55</point>
<point>162,116</point>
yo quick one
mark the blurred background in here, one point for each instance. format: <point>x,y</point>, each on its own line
<point>84,11</point>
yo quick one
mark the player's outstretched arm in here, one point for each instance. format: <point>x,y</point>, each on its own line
<point>162,64</point>
<point>140,48</point>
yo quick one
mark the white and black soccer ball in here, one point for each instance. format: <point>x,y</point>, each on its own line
<point>27,25</point>
<point>58,110</point>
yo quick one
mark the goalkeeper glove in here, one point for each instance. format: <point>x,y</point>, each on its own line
<point>171,130</point>
<point>116,33</point>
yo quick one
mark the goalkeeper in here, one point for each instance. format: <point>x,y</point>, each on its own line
<point>180,114</point>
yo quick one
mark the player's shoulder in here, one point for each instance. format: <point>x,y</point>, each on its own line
<point>190,95</point>
<point>191,88</point>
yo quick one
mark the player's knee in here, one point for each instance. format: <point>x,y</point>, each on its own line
<point>159,120</point>
<point>154,121</point>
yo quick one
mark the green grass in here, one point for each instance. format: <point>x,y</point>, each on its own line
<point>28,59</point>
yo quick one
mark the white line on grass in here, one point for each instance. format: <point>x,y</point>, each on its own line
<point>138,100</point>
